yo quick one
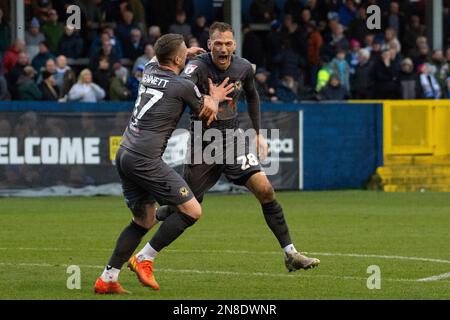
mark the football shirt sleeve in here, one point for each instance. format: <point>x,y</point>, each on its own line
<point>192,96</point>
<point>192,71</point>
<point>252,100</point>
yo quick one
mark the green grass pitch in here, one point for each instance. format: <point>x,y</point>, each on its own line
<point>230,253</point>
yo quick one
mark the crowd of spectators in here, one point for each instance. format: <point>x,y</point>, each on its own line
<point>323,50</point>
<point>308,50</point>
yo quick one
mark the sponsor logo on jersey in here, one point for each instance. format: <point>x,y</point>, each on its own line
<point>190,68</point>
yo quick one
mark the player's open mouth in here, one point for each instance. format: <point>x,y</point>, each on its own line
<point>222,58</point>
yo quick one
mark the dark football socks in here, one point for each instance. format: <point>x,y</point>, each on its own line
<point>127,242</point>
<point>273,213</point>
<point>172,227</point>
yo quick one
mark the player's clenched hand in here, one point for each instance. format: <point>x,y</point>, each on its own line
<point>194,51</point>
<point>221,92</point>
<point>262,147</point>
<point>209,110</point>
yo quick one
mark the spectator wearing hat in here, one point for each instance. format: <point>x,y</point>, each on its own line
<point>48,87</point>
<point>375,53</point>
<point>33,37</point>
<point>334,90</point>
<point>149,53</point>
<point>42,9</point>
<point>71,44</point>
<point>429,87</point>
<point>133,82</point>
<point>41,58</point>
<point>53,30</point>
<point>353,56</point>
<point>266,93</point>
<point>85,90</point>
<point>27,88</point>
<point>118,90</point>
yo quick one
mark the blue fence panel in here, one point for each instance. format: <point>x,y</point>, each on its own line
<point>342,142</point>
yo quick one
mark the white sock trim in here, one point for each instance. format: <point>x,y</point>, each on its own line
<point>289,248</point>
<point>147,253</point>
<point>110,274</point>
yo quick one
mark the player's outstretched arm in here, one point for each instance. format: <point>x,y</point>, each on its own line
<point>194,51</point>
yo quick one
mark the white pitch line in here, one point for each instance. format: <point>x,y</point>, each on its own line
<point>331,254</point>
<point>435,278</point>
<point>214,272</point>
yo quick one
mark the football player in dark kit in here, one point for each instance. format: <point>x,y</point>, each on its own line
<point>145,177</point>
<point>218,65</point>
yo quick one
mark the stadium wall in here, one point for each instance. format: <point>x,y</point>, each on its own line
<point>321,145</point>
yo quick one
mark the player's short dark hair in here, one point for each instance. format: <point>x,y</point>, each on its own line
<point>167,46</point>
<point>221,27</point>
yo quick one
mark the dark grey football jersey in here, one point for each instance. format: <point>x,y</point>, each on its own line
<point>162,98</point>
<point>240,73</point>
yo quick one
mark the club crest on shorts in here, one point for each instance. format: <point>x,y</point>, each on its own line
<point>184,192</point>
<point>190,68</point>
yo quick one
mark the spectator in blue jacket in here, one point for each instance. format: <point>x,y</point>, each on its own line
<point>41,58</point>
<point>334,90</point>
<point>133,82</point>
<point>286,90</point>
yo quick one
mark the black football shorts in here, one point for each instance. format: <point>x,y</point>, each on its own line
<point>146,181</point>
